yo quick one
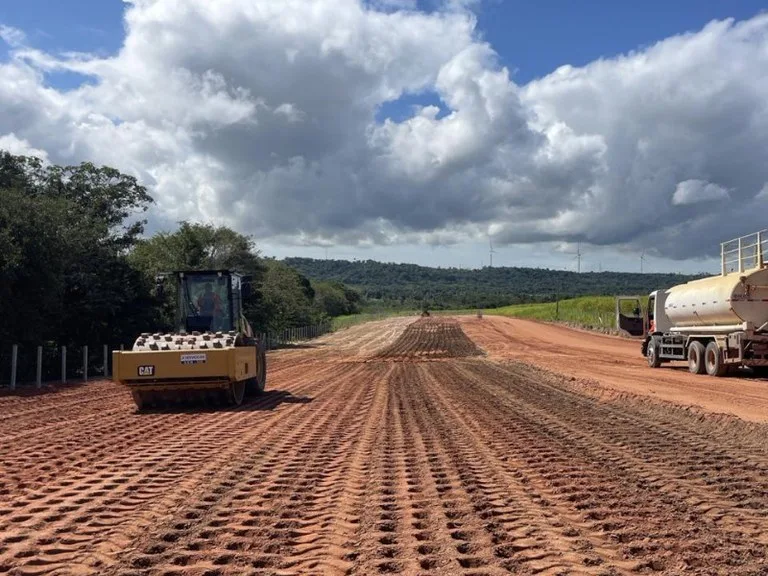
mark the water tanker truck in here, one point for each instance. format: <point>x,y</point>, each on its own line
<point>719,323</point>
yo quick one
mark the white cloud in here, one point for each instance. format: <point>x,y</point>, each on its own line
<point>20,147</point>
<point>262,116</point>
<point>693,191</point>
<point>12,36</point>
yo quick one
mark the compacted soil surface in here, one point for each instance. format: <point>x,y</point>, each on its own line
<point>407,446</point>
<point>617,364</point>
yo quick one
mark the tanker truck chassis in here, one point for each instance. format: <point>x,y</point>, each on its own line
<point>717,324</point>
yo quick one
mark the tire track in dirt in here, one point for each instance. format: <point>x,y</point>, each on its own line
<point>605,493</point>
<point>678,457</point>
<point>38,460</point>
<point>271,511</point>
<point>504,523</point>
<point>83,515</point>
<point>388,461</point>
<point>440,532</point>
<point>380,542</point>
<point>21,418</point>
<point>430,338</point>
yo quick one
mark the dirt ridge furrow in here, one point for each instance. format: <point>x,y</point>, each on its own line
<point>250,514</point>
<point>398,447</point>
<point>675,462</point>
<point>526,535</point>
<point>606,499</point>
<point>173,479</point>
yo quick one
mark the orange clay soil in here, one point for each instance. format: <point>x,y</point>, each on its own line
<point>616,364</point>
<point>413,455</point>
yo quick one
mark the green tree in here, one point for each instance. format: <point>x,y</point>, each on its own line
<point>196,246</point>
<point>335,299</point>
<point>65,276</point>
<point>288,297</point>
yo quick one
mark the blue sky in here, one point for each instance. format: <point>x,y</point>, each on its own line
<point>532,38</point>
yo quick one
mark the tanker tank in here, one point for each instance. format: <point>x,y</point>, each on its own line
<point>723,300</point>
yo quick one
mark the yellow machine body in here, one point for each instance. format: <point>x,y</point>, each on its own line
<point>184,369</point>
<point>212,355</point>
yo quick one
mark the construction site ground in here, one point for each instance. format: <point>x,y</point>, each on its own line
<point>407,446</point>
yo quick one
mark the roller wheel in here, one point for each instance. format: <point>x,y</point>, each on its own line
<point>256,385</point>
<point>696,358</point>
<point>235,393</point>
<point>138,399</point>
<point>714,360</point>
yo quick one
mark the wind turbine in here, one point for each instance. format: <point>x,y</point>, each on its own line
<point>492,251</point>
<point>578,257</point>
<point>642,260</point>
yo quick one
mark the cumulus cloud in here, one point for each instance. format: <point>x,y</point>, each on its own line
<point>263,116</point>
<point>694,191</point>
<point>11,143</point>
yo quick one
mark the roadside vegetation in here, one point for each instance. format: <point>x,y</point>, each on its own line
<point>76,265</point>
<point>588,311</point>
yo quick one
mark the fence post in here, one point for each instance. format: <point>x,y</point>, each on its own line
<point>14,359</point>
<point>106,361</point>
<point>85,362</point>
<point>63,364</point>
<point>39,380</point>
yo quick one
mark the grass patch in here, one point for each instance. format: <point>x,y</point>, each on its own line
<point>588,311</point>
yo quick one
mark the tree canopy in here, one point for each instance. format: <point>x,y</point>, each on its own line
<point>408,286</point>
<point>76,267</point>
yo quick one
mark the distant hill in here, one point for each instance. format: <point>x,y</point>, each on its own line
<point>411,286</point>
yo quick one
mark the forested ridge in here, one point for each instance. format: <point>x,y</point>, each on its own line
<point>388,285</point>
<point>75,266</point>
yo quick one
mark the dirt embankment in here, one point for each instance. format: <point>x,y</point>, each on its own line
<point>353,463</point>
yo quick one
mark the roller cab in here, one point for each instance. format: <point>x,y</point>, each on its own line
<point>212,357</point>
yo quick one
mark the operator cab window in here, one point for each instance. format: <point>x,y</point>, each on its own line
<point>205,303</point>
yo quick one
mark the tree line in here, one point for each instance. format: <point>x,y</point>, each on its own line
<point>75,266</point>
<point>409,286</point>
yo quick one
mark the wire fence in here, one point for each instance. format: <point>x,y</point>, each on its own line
<point>30,365</point>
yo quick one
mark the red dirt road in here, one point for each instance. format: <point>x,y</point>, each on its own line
<point>616,364</point>
<point>413,455</point>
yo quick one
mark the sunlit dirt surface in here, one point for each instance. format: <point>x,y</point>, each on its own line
<point>395,447</point>
<point>616,365</point>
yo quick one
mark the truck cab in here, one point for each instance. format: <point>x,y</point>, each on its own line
<point>656,318</point>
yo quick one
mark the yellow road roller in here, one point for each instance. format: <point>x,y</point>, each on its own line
<point>212,355</point>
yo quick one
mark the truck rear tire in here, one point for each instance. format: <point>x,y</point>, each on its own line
<point>696,353</point>
<point>714,360</point>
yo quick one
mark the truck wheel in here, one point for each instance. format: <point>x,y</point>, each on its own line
<point>696,354</point>
<point>714,360</point>
<point>653,358</point>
